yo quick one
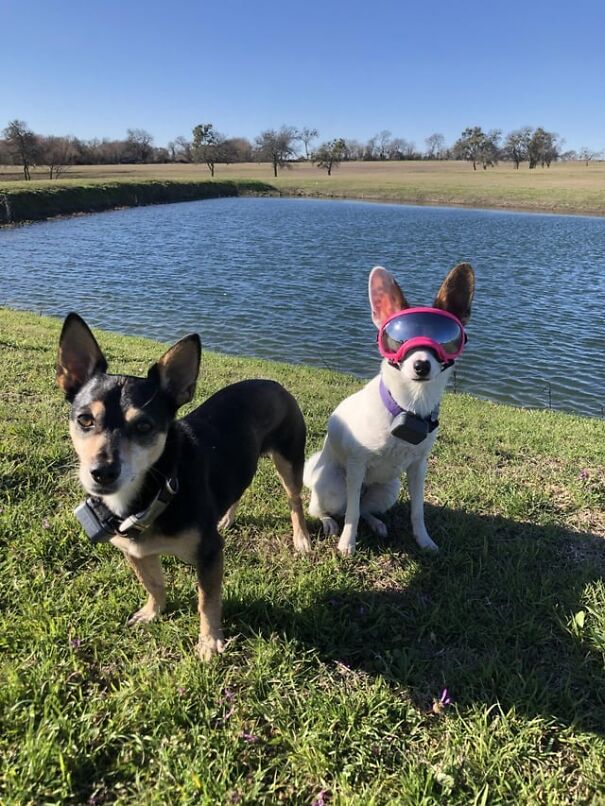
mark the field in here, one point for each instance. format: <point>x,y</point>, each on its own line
<point>474,676</point>
<point>570,187</point>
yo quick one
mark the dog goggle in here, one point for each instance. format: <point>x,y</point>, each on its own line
<point>414,328</point>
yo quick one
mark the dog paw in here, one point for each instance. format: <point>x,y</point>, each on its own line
<point>143,616</point>
<point>209,646</point>
<point>346,544</point>
<point>426,543</point>
<point>376,525</point>
<point>302,543</point>
<point>329,526</point>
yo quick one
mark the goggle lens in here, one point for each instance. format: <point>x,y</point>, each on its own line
<point>447,332</point>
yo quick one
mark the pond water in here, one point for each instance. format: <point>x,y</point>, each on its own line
<point>287,279</point>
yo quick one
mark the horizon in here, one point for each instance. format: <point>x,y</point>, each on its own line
<point>248,69</point>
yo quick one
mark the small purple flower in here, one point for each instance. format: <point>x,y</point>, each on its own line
<point>181,690</point>
<point>319,799</point>
<point>583,475</point>
<point>445,698</point>
<point>46,523</point>
<point>75,643</point>
<point>228,695</point>
<point>248,737</point>
<point>235,797</point>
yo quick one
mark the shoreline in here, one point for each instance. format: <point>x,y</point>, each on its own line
<point>23,206</point>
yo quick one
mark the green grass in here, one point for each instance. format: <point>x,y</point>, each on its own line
<point>570,187</point>
<point>333,666</point>
<point>23,201</point>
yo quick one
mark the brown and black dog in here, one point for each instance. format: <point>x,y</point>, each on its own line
<point>158,485</point>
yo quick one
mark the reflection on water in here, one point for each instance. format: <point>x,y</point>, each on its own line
<point>287,279</point>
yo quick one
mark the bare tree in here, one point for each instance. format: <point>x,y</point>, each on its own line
<point>56,153</point>
<point>330,154</point>
<point>277,147</point>
<point>306,135</point>
<point>140,144</point>
<point>401,149</point>
<point>22,144</point>
<point>586,154</point>
<point>383,140</point>
<point>435,146</point>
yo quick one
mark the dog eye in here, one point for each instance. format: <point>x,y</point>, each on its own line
<point>143,426</point>
<point>86,420</point>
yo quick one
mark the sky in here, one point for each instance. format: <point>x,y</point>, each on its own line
<point>349,69</point>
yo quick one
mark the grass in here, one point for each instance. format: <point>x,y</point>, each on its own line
<point>570,187</point>
<point>30,201</point>
<point>334,669</point>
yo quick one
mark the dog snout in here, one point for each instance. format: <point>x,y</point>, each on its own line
<point>105,473</point>
<point>422,367</point>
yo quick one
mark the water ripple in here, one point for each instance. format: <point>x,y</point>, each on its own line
<point>287,279</point>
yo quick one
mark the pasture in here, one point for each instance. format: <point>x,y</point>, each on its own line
<point>472,676</point>
<point>570,187</point>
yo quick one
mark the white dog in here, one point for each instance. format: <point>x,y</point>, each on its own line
<point>390,425</point>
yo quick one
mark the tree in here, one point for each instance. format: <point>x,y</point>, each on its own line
<point>516,145</point>
<point>383,141</point>
<point>586,154</point>
<point>489,149</point>
<point>306,135</point>
<point>140,145</point>
<point>207,145</point>
<point>277,147</point>
<point>56,153</point>
<point>22,144</point>
<point>469,144</point>
<point>401,149</point>
<point>543,148</point>
<point>330,154</point>
<point>435,146</point>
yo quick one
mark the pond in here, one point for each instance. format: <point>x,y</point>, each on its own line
<point>287,279</point>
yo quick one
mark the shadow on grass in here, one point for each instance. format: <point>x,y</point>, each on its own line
<point>491,617</point>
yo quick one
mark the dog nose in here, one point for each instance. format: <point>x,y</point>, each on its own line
<point>422,368</point>
<point>105,473</point>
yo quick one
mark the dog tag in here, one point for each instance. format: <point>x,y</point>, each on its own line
<point>96,530</point>
<point>410,428</point>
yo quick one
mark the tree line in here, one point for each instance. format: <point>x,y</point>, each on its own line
<point>19,145</point>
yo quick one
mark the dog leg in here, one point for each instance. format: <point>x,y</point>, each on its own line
<point>354,479</point>
<point>210,578</point>
<point>378,498</point>
<point>228,518</point>
<point>416,475</point>
<point>292,483</point>
<point>149,573</point>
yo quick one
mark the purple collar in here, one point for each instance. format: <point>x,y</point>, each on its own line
<point>395,409</point>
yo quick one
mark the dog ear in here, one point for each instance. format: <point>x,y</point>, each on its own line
<point>456,292</point>
<point>386,298</point>
<point>178,368</point>
<point>79,356</point>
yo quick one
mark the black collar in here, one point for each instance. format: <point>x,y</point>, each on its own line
<point>407,425</point>
<point>101,524</point>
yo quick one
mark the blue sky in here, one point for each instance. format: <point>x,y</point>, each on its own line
<point>94,69</point>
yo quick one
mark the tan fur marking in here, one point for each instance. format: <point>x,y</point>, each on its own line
<point>87,447</point>
<point>210,609</point>
<point>293,486</point>
<point>97,409</point>
<point>183,546</point>
<point>131,414</point>
<point>151,576</point>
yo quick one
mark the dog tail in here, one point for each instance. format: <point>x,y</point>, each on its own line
<point>309,471</point>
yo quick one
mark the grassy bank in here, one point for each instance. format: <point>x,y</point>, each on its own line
<point>37,200</point>
<point>563,188</point>
<point>334,671</point>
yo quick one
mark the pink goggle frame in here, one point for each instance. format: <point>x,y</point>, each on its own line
<point>414,328</point>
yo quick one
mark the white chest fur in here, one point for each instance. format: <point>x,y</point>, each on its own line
<point>184,545</point>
